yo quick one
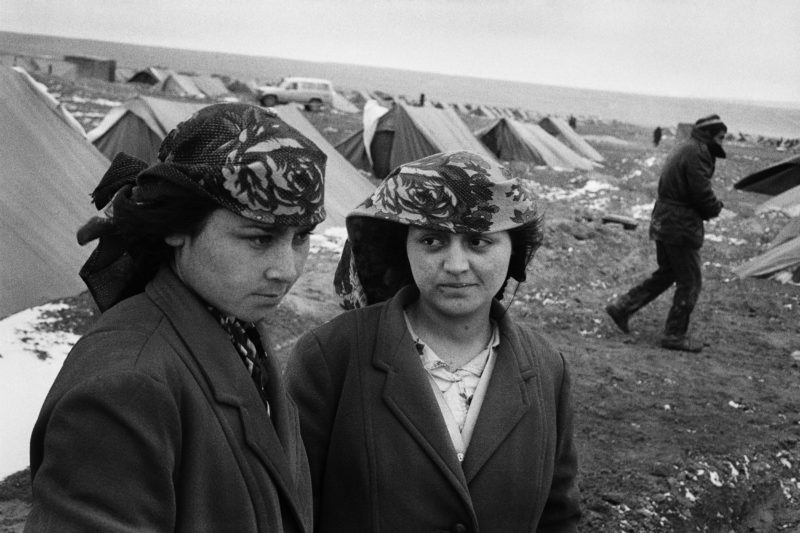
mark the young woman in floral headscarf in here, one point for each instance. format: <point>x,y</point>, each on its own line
<point>170,414</point>
<point>427,408</point>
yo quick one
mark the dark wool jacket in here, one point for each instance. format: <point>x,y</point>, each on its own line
<point>685,197</point>
<point>380,454</point>
<point>154,424</point>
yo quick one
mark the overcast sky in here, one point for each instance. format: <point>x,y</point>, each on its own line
<point>742,49</point>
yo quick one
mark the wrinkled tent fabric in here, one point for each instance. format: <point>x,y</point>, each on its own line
<point>432,130</point>
<point>774,179</point>
<point>512,140</point>
<point>51,102</point>
<point>138,126</point>
<point>343,104</point>
<point>559,128</point>
<point>782,257</point>
<point>181,85</point>
<point>345,187</point>
<point>787,202</point>
<point>370,119</point>
<point>48,171</point>
<point>787,233</point>
<point>509,143</point>
<point>353,150</point>
<point>418,132</point>
<point>210,86</point>
<point>569,159</point>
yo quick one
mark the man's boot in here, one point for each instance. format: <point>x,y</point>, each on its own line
<point>676,327</point>
<point>682,344</point>
<point>619,315</point>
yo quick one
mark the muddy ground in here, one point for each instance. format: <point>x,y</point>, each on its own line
<point>668,441</point>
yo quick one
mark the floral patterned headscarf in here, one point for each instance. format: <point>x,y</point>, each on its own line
<point>243,157</point>
<point>250,161</point>
<point>457,192</point>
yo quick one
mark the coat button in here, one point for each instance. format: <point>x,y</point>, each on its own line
<point>458,528</point>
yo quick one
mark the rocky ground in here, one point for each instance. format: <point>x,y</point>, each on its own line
<point>669,441</point>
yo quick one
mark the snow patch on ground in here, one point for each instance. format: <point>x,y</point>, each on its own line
<point>331,239</point>
<point>30,359</point>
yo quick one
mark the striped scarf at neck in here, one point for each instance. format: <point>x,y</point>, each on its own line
<point>247,341</point>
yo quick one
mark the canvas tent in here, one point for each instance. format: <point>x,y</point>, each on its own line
<point>774,179</point>
<point>181,85</point>
<point>406,133</point>
<point>210,86</point>
<point>50,101</point>
<point>785,256</point>
<point>559,128</point>
<point>150,76</point>
<point>343,104</point>
<point>48,172</point>
<point>512,140</point>
<point>139,125</point>
<point>787,201</point>
<point>787,233</point>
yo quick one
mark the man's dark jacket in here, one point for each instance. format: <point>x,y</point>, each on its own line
<point>685,197</point>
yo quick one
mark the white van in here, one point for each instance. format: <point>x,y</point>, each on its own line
<point>310,91</point>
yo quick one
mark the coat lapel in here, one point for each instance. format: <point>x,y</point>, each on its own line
<point>407,393</point>
<point>506,401</point>
<point>218,367</point>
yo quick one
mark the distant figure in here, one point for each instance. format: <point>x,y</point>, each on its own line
<point>422,99</point>
<point>572,122</point>
<point>685,200</point>
<point>657,135</point>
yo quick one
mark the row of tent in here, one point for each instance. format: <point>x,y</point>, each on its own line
<point>470,109</point>
<point>401,133</point>
<point>50,168</point>
<point>184,85</point>
<point>781,181</point>
<point>199,86</point>
<point>41,256</point>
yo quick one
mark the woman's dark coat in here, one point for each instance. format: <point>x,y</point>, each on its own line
<point>154,424</point>
<point>381,458</point>
<point>685,197</point>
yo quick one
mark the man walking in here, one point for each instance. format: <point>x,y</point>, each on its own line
<point>685,200</point>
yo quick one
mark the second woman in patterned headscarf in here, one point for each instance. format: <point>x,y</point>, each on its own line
<point>427,408</point>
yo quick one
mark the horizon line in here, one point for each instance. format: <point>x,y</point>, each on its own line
<point>791,104</point>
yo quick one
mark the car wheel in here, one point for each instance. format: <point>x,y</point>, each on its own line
<point>314,105</point>
<point>269,100</point>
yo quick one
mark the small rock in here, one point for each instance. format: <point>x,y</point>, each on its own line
<point>661,470</point>
<point>614,498</point>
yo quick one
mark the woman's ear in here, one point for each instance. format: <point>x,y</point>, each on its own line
<point>176,240</point>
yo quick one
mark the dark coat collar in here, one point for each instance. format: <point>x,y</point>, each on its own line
<point>218,368</point>
<point>409,395</point>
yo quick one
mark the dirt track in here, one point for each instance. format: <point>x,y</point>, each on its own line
<point>668,441</point>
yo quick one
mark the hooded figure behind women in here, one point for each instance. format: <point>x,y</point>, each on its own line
<point>427,408</point>
<point>170,413</point>
<point>685,200</point>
